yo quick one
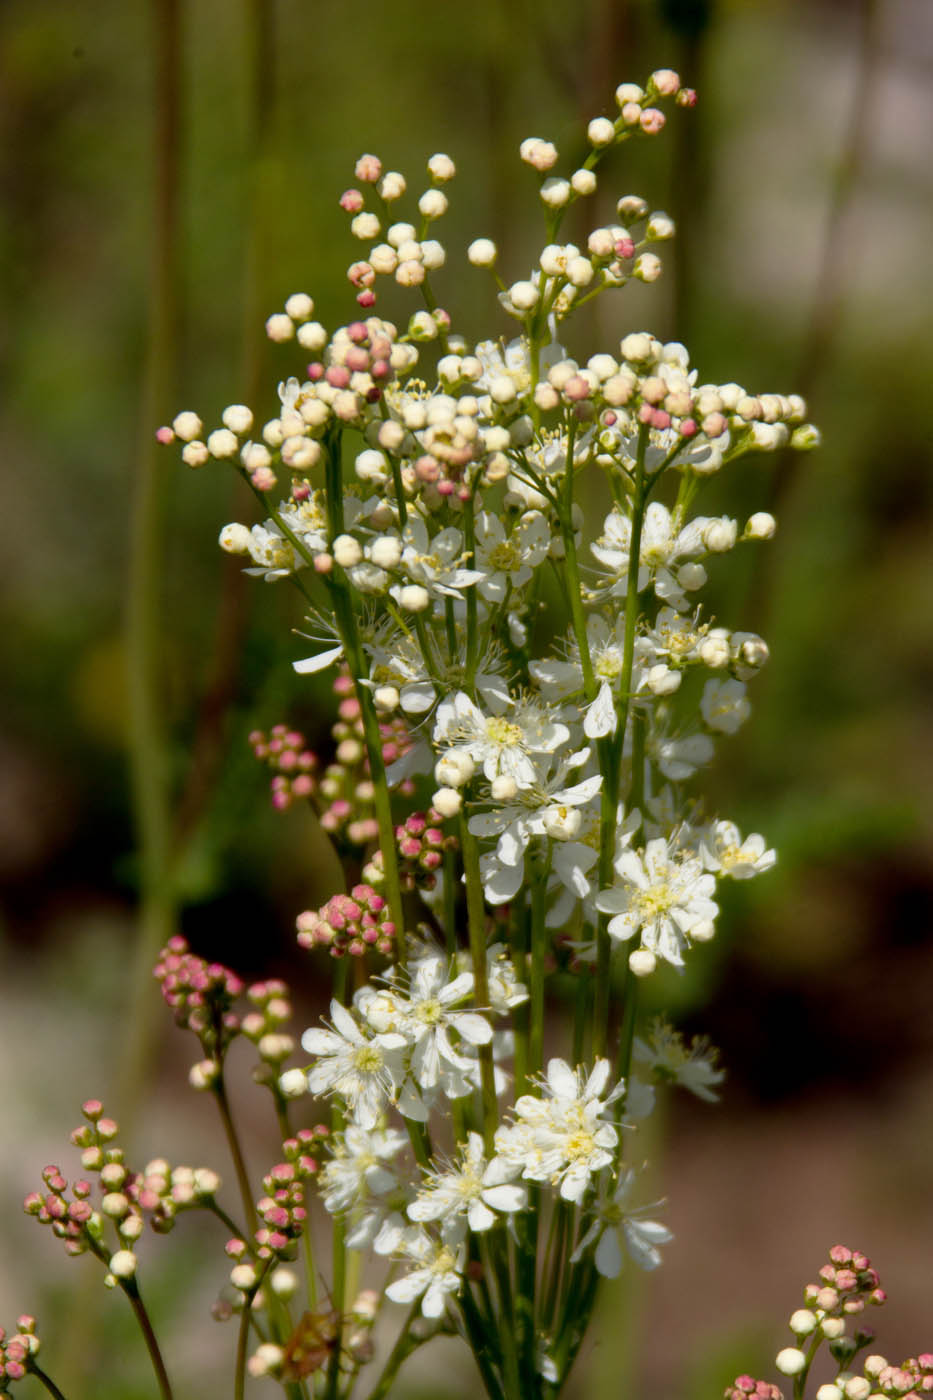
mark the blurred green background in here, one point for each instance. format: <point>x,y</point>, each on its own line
<point>169,176</point>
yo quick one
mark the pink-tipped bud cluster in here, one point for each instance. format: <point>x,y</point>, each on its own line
<point>349,923</point>
<point>15,1351</point>
<point>73,1221</point>
<point>744,1387</point>
<point>282,1211</point>
<point>200,994</point>
<point>420,845</point>
<point>292,762</point>
<point>845,1284</point>
<point>912,1380</point>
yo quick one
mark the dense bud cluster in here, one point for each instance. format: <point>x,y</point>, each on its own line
<point>349,923</point>
<point>16,1352</point>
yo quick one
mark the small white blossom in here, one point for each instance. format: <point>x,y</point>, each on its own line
<point>616,1226</point>
<point>668,1060</point>
<point>663,894</point>
<point>504,745</point>
<point>364,1069</point>
<point>474,1189</point>
<point>437,1275</point>
<point>724,852</point>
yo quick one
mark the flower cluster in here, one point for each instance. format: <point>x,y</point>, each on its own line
<point>17,1352</point>
<point>349,923</point>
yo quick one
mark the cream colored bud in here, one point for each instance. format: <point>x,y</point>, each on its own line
<point>601,132</point>
<point>222,443</point>
<point>642,962</point>
<point>386,551</point>
<point>243,1276</point>
<point>482,252</point>
<point>237,417</point>
<point>503,788</point>
<point>523,295</point>
<point>392,185</point>
<point>760,526</point>
<point>638,347</point>
<point>255,455</point>
<point>284,1283</point>
<point>829,1392</point>
<point>386,698</point>
<point>802,1322</point>
<point>719,536</point>
<point>628,92</point>
<point>391,435</point>
<point>432,204</point>
<point>441,168</point>
<point>542,155</point>
<point>580,271</point>
<point>414,598</point>
<point>122,1264</point>
<point>660,226</point>
<point>312,336</point>
<point>293,1083</point>
<point>187,426</point>
<point>790,1361</point>
<point>454,769</point>
<point>583,182</point>
<point>299,306</point>
<point>280,327</point>
<point>400,233</point>
<point>347,551</point>
<point>195,454</point>
<point>703,931</point>
<point>714,651</point>
<point>555,192</point>
<point>833,1328</point>
<point>647,267</point>
<point>115,1205</point>
<point>266,1360</point>
<point>447,801</point>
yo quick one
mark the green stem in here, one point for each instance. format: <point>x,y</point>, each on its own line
<point>246,1317</point>
<point>572,570</point>
<point>472,656</point>
<point>131,1289</point>
<point>405,1344</point>
<point>539,942</point>
<point>233,1142</point>
<point>476,922</point>
<point>45,1380</point>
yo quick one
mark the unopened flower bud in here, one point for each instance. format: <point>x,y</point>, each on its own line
<point>280,327</point>
<point>642,962</point>
<point>454,769</point>
<point>601,132</point>
<point>802,1322</point>
<point>414,598</point>
<point>123,1263</point>
<point>386,698</point>
<point>583,182</point>
<point>523,295</point>
<point>790,1361</point>
<point>299,306</point>
<point>447,801</point>
<point>347,551</point>
<point>647,267</point>
<point>187,426</point>
<point>503,788</point>
<point>482,252</point>
<point>760,526</point>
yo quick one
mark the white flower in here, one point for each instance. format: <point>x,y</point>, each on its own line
<point>548,808</point>
<point>724,706</point>
<point>679,758</point>
<point>668,1060</point>
<point>425,1019</point>
<point>561,1137</point>
<point>509,560</point>
<point>664,555</point>
<point>365,1070</point>
<point>475,1189</point>
<point>615,1225</point>
<point>357,1168</point>
<point>435,562</point>
<point>663,896</point>
<point>503,745</point>
<point>725,853</point>
<point>438,1273</point>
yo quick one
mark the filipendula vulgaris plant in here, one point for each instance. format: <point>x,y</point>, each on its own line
<point>510,791</point>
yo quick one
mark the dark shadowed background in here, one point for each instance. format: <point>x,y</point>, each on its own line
<point>169,175</point>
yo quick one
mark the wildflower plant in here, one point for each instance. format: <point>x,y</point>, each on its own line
<point>524,704</point>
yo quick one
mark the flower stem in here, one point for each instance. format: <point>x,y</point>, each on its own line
<point>476,921</point>
<point>405,1344</point>
<point>45,1380</point>
<point>131,1289</point>
<point>233,1142</point>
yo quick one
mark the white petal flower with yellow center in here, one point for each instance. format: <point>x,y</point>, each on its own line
<point>664,896</point>
<point>666,553</point>
<point>437,1275</point>
<point>724,852</point>
<point>669,1061</point>
<point>616,1226</point>
<point>436,563</point>
<point>365,1070</point>
<point>474,1189</point>
<point>508,560</point>
<point>561,1136</point>
<point>504,744</point>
